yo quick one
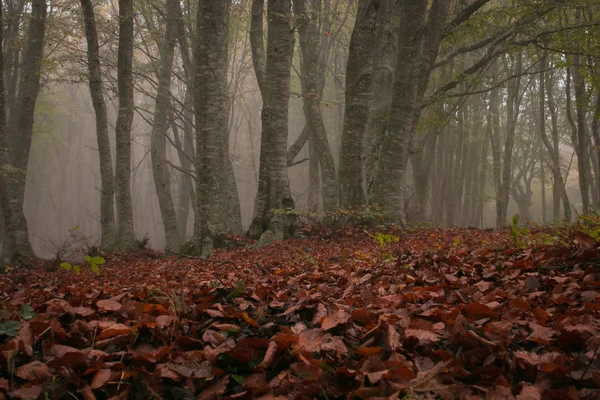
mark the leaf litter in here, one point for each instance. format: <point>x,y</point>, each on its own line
<point>438,314</point>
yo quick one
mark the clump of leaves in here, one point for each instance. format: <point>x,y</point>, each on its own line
<point>92,262</point>
<point>517,232</point>
<point>10,328</point>
<point>383,240</point>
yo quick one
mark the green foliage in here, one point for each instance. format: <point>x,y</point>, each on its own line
<point>238,290</point>
<point>26,312</point>
<point>590,224</point>
<point>383,239</point>
<point>517,232</point>
<point>93,263</point>
<point>10,328</point>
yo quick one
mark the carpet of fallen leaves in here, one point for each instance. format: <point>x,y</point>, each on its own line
<point>440,313</point>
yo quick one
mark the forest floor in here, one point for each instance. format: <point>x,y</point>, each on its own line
<point>346,313</point>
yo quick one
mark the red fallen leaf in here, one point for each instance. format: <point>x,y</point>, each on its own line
<point>249,320</point>
<point>306,371</point>
<point>338,317</point>
<point>147,352</point>
<point>215,390</point>
<point>4,384</point>
<point>248,349</point>
<point>101,378</point>
<point>257,382</point>
<point>156,309</point>
<point>478,311</point>
<point>393,338</point>
<point>32,371</point>
<point>585,239</point>
<point>334,344</point>
<point>28,392</point>
<point>269,355</point>
<point>541,315</point>
<point>368,351</point>
<point>69,357</point>
<point>108,305</point>
<point>87,393</point>
<point>424,337</point>
<point>285,339</point>
<point>24,339</point>
<point>541,334</point>
<point>115,330</point>
<point>163,321</point>
<point>364,317</point>
<point>213,337</point>
<point>530,393</point>
<point>310,340</point>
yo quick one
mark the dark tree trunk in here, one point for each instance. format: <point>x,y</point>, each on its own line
<point>358,95</point>
<point>107,179</point>
<point>158,142</point>
<point>19,135</point>
<point>123,127</point>
<point>273,185</point>
<point>420,35</point>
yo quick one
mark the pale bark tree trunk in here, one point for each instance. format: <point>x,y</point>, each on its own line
<point>579,130</point>
<point>212,115</point>
<point>559,191</point>
<point>312,77</point>
<point>20,130</point>
<point>158,142</point>
<point>123,127</point>
<point>359,72</point>
<point>273,186</point>
<point>420,36</point>
<point>107,180</point>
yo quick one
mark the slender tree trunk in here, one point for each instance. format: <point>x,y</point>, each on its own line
<point>21,132</point>
<point>123,127</point>
<point>559,190</point>
<point>212,114</point>
<point>158,142</point>
<point>358,95</point>
<point>582,146</point>
<point>107,179</point>
<point>273,185</point>
<point>311,73</point>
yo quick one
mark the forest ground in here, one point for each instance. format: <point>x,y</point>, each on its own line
<point>341,313</point>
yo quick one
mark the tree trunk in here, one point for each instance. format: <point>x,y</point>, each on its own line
<point>358,94</point>
<point>107,179</point>
<point>123,127</point>
<point>420,36</point>
<point>312,73</point>
<point>158,142</point>
<point>21,131</point>
<point>212,115</point>
<point>273,185</point>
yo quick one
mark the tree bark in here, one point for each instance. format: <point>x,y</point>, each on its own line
<point>21,131</point>
<point>107,179</point>
<point>212,115</point>
<point>158,142</point>
<point>312,77</point>
<point>420,35</point>
<point>359,71</point>
<point>273,185</point>
<point>123,127</point>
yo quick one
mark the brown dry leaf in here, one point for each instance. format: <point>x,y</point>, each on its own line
<point>269,355</point>
<point>215,390</point>
<point>424,337</point>
<point>585,239</point>
<point>108,305</point>
<point>338,317</point>
<point>32,371</point>
<point>393,338</point>
<point>249,320</point>
<point>368,351</point>
<point>163,321</point>
<point>310,340</point>
<point>334,344</point>
<point>115,330</point>
<point>530,393</point>
<point>101,378</point>
<point>419,383</point>
<point>28,392</point>
<point>476,311</point>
